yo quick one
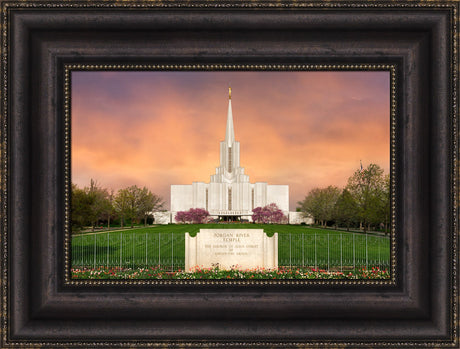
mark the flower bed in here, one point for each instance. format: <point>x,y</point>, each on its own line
<point>157,273</point>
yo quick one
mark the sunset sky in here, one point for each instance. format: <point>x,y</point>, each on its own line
<point>154,129</point>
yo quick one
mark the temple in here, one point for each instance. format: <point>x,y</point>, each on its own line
<point>229,195</point>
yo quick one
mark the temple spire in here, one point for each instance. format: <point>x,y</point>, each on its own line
<point>229,134</point>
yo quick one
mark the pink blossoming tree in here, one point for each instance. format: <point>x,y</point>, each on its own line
<point>268,214</point>
<point>194,215</point>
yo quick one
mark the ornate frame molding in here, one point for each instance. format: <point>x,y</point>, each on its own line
<point>42,40</point>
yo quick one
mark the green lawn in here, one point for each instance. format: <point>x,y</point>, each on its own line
<point>165,245</point>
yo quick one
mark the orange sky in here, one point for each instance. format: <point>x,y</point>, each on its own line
<point>154,129</point>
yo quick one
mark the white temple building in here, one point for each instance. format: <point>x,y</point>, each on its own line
<point>229,195</point>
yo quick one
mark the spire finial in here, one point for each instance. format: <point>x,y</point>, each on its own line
<point>229,133</point>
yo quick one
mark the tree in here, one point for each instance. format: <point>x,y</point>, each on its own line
<point>194,215</point>
<point>320,203</point>
<point>182,216</point>
<point>131,196</point>
<point>384,208</point>
<point>148,203</point>
<point>198,215</point>
<point>99,202</point>
<point>367,186</point>
<point>80,208</point>
<point>268,214</point>
<point>110,210</point>
<point>311,204</point>
<point>121,204</point>
<point>346,211</point>
<point>89,205</point>
<point>136,203</point>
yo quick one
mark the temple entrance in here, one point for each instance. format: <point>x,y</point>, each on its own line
<point>230,219</point>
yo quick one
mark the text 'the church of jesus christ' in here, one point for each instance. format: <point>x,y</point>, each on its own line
<point>229,195</point>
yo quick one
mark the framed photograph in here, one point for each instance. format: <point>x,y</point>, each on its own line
<point>353,103</point>
<point>324,218</point>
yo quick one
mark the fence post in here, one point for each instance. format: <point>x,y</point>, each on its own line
<point>354,266</point>
<point>108,240</point>
<point>172,252</point>
<point>367,264</point>
<point>341,252</point>
<point>290,250</point>
<point>328,266</point>
<point>94,263</point>
<point>146,249</point>
<point>132,243</point>
<point>303,250</point>
<point>159,240</point>
<point>79,252</point>
<point>121,247</point>
<point>316,261</point>
<point>83,254</point>
<point>73,249</point>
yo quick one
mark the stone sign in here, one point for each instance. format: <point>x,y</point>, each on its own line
<point>237,248</point>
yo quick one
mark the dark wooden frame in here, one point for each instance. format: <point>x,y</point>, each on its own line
<point>420,308</point>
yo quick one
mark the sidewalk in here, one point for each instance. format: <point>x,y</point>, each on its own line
<point>116,229</point>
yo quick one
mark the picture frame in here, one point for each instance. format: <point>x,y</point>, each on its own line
<point>41,307</point>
